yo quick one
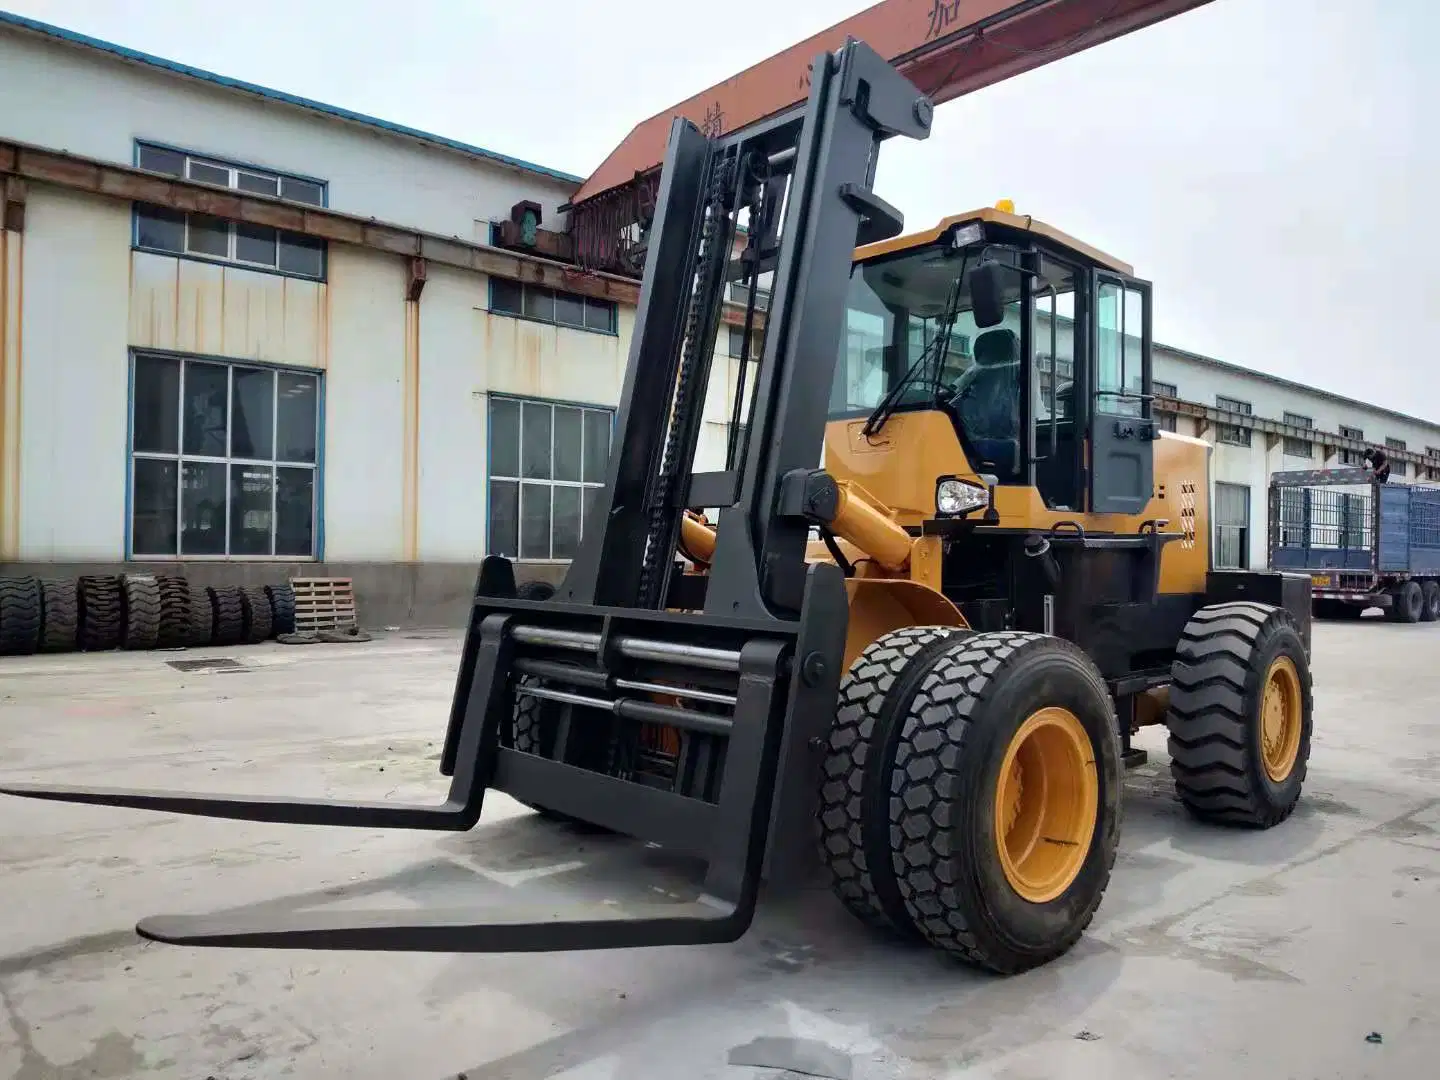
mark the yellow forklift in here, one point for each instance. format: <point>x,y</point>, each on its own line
<point>904,636</point>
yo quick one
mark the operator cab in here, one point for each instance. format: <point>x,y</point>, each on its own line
<point>1004,325</point>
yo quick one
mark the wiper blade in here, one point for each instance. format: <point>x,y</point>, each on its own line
<point>887,404</point>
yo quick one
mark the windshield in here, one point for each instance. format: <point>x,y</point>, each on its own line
<point>893,314</point>
<point>895,311</point>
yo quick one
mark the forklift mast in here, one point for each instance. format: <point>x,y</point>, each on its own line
<point>754,666</point>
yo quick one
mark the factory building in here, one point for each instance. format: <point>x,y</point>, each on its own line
<point>255,335</point>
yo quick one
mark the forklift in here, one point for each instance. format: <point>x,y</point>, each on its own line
<point>903,637</point>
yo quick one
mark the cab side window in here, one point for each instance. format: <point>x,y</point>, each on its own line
<point>1119,331</point>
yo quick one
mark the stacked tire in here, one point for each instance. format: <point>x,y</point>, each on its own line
<point>137,612</point>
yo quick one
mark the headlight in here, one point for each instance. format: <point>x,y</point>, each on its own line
<point>959,497</point>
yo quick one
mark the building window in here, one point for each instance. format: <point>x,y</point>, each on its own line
<point>1168,421</point>
<point>1352,457</point>
<point>1397,468</point>
<point>1164,389</point>
<point>1232,434</point>
<point>205,236</point>
<point>1235,405</point>
<point>1232,526</point>
<point>1295,447</point>
<point>547,460</point>
<point>543,304</point>
<point>223,459</point>
<point>736,337</point>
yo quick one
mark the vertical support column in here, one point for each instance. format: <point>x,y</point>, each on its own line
<point>12,340</point>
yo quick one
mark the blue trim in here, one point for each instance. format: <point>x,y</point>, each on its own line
<point>334,111</point>
<point>130,464</point>
<point>318,509</point>
<point>489,442</point>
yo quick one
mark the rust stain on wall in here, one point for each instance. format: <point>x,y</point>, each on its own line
<point>5,512</point>
<point>192,306</point>
<point>410,509</point>
<point>12,347</point>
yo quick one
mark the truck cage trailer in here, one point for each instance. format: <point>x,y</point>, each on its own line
<point>1365,542</point>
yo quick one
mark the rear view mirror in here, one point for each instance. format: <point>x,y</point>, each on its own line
<point>987,297</point>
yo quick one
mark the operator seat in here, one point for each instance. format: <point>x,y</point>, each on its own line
<point>986,403</point>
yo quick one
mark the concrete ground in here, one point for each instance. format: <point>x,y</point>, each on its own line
<point>1215,954</point>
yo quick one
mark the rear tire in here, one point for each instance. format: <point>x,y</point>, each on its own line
<point>854,816</point>
<point>1011,739</point>
<point>1240,715</point>
<point>536,723</point>
<point>535,590</point>
<point>1407,603</point>
<point>1431,604</point>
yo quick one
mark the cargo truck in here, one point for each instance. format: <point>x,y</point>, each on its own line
<point>1364,541</point>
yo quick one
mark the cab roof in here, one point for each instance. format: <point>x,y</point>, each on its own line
<point>1001,221</point>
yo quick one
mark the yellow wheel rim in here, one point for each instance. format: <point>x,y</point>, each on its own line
<point>1046,804</point>
<point>1281,714</point>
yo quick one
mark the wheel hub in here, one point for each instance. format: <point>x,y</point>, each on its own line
<point>1280,723</point>
<point>1046,804</point>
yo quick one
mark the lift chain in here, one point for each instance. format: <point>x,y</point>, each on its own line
<point>701,303</point>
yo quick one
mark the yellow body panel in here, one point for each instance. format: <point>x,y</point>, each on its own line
<point>899,467</point>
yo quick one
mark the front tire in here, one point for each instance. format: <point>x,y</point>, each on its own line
<point>1240,715</point>
<point>875,696</point>
<point>1006,799</point>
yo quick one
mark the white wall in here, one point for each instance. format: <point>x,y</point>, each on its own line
<point>87,103</point>
<point>405,385</point>
<point>74,377</point>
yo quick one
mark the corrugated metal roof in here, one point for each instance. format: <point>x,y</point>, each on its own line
<point>70,37</point>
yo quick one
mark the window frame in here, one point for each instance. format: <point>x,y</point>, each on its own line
<point>521,400</point>
<point>1233,434</point>
<point>613,306</point>
<point>1397,468</point>
<point>317,505</point>
<point>234,167</point>
<point>1242,528</point>
<point>1291,446</point>
<point>1353,458</point>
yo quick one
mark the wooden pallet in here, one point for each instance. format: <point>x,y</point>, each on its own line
<point>323,604</point>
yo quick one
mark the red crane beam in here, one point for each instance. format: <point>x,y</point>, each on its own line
<point>947,47</point>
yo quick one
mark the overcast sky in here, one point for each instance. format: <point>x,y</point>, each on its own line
<point>1264,162</point>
